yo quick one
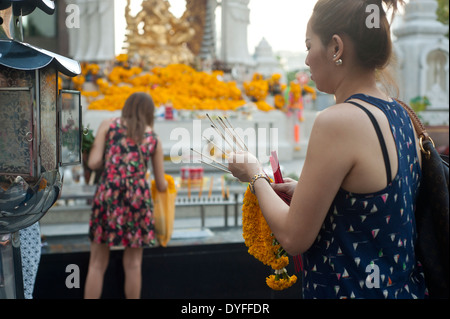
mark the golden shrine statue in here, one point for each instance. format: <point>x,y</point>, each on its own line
<point>159,38</point>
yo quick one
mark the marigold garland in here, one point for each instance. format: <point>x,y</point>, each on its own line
<point>263,245</point>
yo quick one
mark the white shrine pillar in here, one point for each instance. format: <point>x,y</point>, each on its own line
<point>94,40</point>
<point>208,49</point>
<point>422,51</point>
<point>235,22</point>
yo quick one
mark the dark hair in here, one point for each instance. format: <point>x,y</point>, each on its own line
<point>138,113</point>
<point>373,45</point>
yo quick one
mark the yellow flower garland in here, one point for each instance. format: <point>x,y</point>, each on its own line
<point>262,244</point>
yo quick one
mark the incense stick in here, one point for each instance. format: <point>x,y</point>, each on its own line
<point>214,144</point>
<point>229,124</point>
<point>231,133</point>
<point>214,126</point>
<point>216,167</point>
<point>210,158</point>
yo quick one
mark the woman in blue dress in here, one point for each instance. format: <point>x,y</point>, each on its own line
<point>352,211</point>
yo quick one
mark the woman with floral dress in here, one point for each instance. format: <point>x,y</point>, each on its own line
<point>122,208</point>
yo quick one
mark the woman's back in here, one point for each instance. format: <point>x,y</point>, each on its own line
<point>122,209</point>
<point>124,158</point>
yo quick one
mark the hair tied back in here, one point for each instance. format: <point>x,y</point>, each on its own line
<point>393,4</point>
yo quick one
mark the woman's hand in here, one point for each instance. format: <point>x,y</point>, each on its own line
<point>244,166</point>
<point>288,187</point>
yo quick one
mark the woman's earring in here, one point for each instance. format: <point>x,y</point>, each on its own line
<point>338,62</point>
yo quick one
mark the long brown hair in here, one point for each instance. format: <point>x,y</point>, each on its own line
<point>373,45</point>
<point>138,113</point>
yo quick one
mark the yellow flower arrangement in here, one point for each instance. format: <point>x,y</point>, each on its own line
<point>78,81</point>
<point>178,84</point>
<point>279,101</point>
<point>257,89</point>
<point>264,106</point>
<point>91,68</point>
<point>262,244</point>
<point>281,281</point>
<point>86,69</point>
<point>122,58</point>
<point>296,91</point>
<point>310,90</point>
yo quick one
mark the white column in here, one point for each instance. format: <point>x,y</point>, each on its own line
<point>235,21</point>
<point>81,34</point>
<point>418,36</point>
<point>94,31</point>
<point>106,47</point>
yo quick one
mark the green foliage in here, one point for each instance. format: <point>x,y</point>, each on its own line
<point>291,76</point>
<point>88,140</point>
<point>442,12</point>
<point>420,103</point>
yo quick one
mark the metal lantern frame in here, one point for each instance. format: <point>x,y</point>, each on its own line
<point>40,133</point>
<point>67,141</point>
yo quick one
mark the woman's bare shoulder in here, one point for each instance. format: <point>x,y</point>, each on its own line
<point>107,122</point>
<point>341,117</point>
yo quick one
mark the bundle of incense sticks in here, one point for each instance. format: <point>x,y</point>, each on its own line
<point>225,130</point>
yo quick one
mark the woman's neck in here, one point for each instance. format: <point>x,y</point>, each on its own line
<point>359,82</point>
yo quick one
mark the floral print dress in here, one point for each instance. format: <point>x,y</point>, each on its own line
<point>122,208</point>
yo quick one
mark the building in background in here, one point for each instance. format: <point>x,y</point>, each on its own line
<point>422,50</point>
<point>421,45</point>
<point>48,32</point>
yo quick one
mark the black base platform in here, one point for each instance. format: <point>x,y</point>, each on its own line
<point>212,271</point>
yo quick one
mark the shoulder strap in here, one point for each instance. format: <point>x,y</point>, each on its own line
<point>380,138</point>
<point>419,127</point>
<point>141,157</point>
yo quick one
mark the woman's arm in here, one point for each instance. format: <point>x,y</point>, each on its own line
<point>328,161</point>
<point>98,148</point>
<point>158,167</point>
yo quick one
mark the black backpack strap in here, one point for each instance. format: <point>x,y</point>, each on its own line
<point>380,138</point>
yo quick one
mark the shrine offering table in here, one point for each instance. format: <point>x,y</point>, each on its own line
<point>263,132</point>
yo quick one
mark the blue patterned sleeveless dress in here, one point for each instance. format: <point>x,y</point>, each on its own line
<point>365,248</point>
